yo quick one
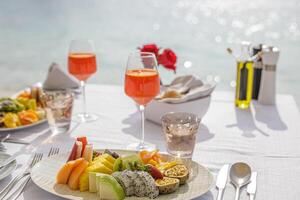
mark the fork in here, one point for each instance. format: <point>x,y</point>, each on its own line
<point>53,151</point>
<point>36,158</point>
<point>18,192</point>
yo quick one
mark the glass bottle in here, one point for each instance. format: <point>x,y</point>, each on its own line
<point>257,70</point>
<point>244,78</point>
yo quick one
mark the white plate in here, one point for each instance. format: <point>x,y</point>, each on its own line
<point>8,169</point>
<point>23,127</point>
<point>44,174</point>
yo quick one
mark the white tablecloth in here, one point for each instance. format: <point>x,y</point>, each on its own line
<point>266,137</point>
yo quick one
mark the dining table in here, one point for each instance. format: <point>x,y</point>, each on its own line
<point>267,137</point>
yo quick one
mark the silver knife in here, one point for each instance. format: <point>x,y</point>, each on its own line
<point>16,141</point>
<point>8,139</point>
<point>7,161</point>
<point>251,188</point>
<point>222,180</point>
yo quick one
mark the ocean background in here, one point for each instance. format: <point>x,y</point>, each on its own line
<point>35,33</point>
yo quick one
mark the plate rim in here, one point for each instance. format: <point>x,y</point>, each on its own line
<point>24,126</point>
<point>211,176</point>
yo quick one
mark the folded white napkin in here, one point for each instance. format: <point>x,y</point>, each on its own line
<point>57,79</point>
<point>185,88</point>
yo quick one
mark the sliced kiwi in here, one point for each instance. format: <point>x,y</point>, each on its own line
<point>118,165</point>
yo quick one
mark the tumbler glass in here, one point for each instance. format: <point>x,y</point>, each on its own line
<point>58,105</point>
<point>180,131</point>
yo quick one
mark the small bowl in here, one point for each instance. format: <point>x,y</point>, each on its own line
<point>155,109</point>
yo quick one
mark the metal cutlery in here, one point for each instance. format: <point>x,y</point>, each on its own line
<point>16,141</point>
<point>240,174</point>
<point>8,139</point>
<point>7,161</point>
<point>5,137</point>
<point>251,188</point>
<point>36,158</point>
<point>53,151</point>
<point>11,140</point>
<point>222,181</point>
<point>2,148</point>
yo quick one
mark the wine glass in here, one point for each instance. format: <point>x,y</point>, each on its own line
<point>82,64</point>
<point>142,84</point>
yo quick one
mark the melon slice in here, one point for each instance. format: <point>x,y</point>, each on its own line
<point>93,181</point>
<point>65,171</point>
<point>84,178</point>
<point>109,188</point>
<point>73,181</point>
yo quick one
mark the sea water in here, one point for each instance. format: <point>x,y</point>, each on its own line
<point>35,33</point>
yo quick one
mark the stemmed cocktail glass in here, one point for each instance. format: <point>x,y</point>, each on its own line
<point>82,64</point>
<point>142,85</point>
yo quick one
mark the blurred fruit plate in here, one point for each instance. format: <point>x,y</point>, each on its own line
<point>21,127</point>
<point>44,176</point>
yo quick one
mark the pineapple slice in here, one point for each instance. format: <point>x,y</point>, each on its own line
<point>104,162</point>
<point>106,157</point>
<point>109,158</point>
<point>99,167</point>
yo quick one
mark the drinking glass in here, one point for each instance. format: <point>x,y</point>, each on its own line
<point>58,105</point>
<point>180,130</point>
<point>142,85</point>
<point>82,64</point>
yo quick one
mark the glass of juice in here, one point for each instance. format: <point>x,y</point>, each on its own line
<point>82,64</point>
<point>180,131</point>
<point>142,84</point>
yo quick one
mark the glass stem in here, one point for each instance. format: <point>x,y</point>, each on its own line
<point>142,109</point>
<point>82,83</point>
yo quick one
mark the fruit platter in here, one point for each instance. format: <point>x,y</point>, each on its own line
<point>21,111</point>
<point>86,173</point>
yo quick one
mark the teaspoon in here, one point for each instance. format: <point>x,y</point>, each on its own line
<point>240,174</point>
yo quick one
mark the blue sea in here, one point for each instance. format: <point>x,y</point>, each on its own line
<point>34,33</point>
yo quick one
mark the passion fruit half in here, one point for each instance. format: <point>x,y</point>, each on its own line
<point>167,185</point>
<point>178,171</point>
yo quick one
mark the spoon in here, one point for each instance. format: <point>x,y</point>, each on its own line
<point>240,174</point>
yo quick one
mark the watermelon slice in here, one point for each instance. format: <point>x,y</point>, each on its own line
<point>82,139</point>
<point>73,153</point>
